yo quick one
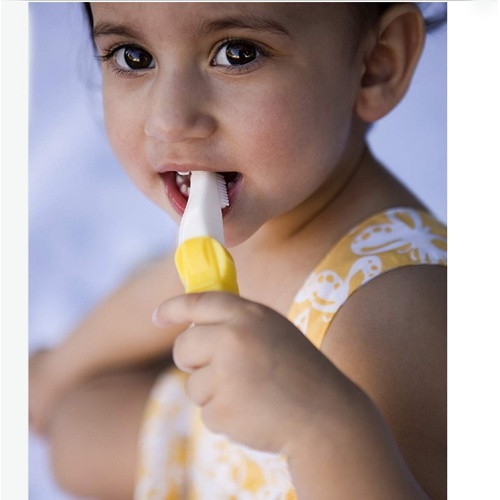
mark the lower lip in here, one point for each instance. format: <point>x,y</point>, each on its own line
<point>179,202</point>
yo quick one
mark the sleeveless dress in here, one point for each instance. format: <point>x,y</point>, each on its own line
<point>179,459</point>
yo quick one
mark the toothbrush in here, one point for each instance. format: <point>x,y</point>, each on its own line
<point>202,261</point>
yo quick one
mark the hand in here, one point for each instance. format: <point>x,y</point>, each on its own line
<point>255,376</point>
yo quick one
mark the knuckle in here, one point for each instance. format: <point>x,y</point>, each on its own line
<point>255,311</point>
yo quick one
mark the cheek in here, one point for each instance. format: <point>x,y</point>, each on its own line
<point>125,137</point>
<point>119,127</point>
<point>295,131</point>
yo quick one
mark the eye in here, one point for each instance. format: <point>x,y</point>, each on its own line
<point>237,53</point>
<point>133,58</point>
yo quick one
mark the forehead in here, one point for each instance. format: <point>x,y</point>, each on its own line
<point>200,17</point>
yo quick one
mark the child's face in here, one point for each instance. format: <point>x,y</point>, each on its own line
<point>261,89</point>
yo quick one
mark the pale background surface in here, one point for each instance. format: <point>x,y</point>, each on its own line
<point>89,226</point>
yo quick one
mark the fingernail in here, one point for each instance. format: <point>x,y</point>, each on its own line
<point>155,318</point>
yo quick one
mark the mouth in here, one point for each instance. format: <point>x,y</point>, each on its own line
<point>178,186</point>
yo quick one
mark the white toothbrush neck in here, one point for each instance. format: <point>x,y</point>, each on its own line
<point>203,216</point>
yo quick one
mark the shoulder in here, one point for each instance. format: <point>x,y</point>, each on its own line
<point>390,339</point>
<point>402,307</point>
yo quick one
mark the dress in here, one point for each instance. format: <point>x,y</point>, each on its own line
<point>180,459</point>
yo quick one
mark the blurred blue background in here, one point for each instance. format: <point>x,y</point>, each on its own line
<point>89,227</point>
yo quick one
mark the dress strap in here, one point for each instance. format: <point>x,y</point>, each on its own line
<point>390,239</point>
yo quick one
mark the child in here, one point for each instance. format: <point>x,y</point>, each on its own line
<point>305,388</point>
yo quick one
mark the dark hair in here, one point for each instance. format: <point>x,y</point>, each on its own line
<point>88,14</point>
<point>367,14</point>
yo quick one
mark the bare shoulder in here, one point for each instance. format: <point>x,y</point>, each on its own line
<point>390,338</point>
<point>403,308</point>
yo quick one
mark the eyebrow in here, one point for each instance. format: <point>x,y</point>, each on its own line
<point>107,29</point>
<point>244,22</point>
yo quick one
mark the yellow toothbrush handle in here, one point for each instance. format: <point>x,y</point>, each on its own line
<point>205,265</point>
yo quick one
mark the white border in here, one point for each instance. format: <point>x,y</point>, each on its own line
<point>14,248</point>
<point>473,221</point>
<point>473,160</point>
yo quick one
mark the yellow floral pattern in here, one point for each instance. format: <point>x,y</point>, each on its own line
<point>394,238</point>
<point>181,460</point>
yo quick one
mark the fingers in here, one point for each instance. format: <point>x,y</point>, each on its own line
<point>204,308</point>
<point>201,386</point>
<point>194,348</point>
<point>203,349</point>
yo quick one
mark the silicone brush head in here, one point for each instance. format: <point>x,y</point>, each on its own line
<point>183,181</point>
<point>222,188</point>
<point>203,213</point>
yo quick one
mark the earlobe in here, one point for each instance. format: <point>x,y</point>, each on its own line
<point>390,61</point>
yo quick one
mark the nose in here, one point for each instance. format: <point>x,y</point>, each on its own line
<point>179,109</point>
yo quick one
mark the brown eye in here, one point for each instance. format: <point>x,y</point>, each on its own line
<point>236,54</point>
<point>133,58</point>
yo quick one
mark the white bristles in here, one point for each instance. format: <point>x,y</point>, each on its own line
<point>222,189</point>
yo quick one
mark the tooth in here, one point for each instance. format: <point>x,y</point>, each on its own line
<point>184,189</point>
<point>183,173</point>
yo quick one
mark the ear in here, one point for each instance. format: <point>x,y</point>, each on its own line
<point>390,61</point>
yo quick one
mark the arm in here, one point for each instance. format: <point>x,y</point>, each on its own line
<point>364,419</point>
<point>118,333</point>
<point>390,340</point>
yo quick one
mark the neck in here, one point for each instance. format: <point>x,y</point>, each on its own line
<point>293,244</point>
<point>357,192</point>
<point>311,215</point>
